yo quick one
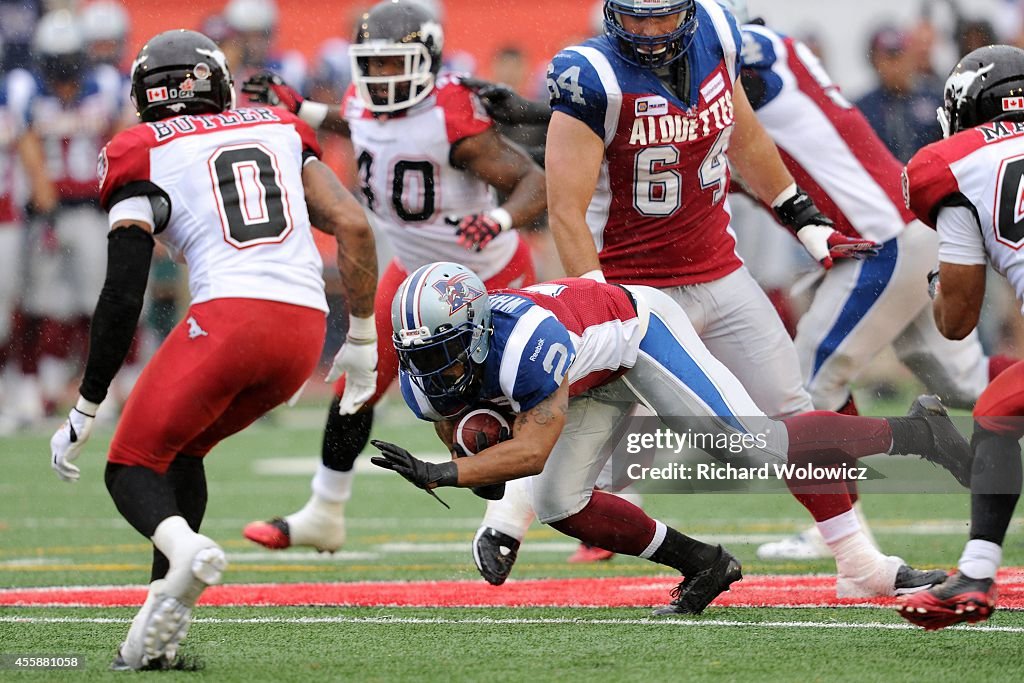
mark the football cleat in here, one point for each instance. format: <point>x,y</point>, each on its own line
<point>806,545</point>
<point>960,598</point>
<point>587,554</point>
<point>164,620</point>
<point>494,553</point>
<point>319,525</point>
<point>696,592</point>
<point>910,580</point>
<point>273,534</point>
<point>950,449</point>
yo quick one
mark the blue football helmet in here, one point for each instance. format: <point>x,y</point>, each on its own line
<point>442,321</point>
<point>651,51</point>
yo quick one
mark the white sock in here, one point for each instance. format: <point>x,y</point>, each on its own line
<point>980,559</point>
<point>171,534</point>
<point>855,555</point>
<point>864,524</point>
<point>839,527</point>
<point>332,486</point>
<point>513,514</point>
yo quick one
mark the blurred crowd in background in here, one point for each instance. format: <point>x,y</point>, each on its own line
<point>65,92</point>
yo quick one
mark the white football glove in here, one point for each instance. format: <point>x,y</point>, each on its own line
<point>66,444</point>
<point>357,360</point>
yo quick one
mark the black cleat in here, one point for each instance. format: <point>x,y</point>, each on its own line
<point>950,450</point>
<point>959,599</point>
<point>696,592</point>
<point>910,580</point>
<point>494,554</point>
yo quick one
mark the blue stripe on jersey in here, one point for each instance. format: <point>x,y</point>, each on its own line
<point>875,274</point>
<point>758,60</point>
<point>408,393</point>
<point>660,344</point>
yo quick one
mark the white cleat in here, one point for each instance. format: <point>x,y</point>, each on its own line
<point>319,525</point>
<point>880,581</point>
<point>807,545</point>
<point>163,622</point>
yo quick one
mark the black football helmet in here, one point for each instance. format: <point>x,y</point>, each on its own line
<point>180,72</point>
<point>987,85</point>
<point>403,29</point>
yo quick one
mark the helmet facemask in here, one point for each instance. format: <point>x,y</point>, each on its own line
<point>651,51</point>
<point>445,365</point>
<point>390,93</point>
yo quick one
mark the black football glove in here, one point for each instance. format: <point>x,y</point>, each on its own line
<point>505,105</point>
<point>269,88</point>
<point>420,473</point>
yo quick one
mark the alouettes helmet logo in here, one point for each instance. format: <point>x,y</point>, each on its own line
<point>456,292</point>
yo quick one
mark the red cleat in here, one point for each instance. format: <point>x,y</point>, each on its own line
<point>273,534</point>
<point>587,554</point>
<point>960,598</point>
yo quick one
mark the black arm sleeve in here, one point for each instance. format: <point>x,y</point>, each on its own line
<point>129,253</point>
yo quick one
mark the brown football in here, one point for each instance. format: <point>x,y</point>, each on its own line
<point>482,428</point>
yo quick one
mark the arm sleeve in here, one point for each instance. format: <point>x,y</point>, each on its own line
<point>129,253</point>
<point>760,82</point>
<point>928,185</point>
<point>960,239</point>
<point>464,113</point>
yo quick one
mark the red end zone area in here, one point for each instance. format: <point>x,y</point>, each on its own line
<point>754,591</point>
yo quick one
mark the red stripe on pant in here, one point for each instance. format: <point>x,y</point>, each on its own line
<point>225,365</point>
<point>1000,408</point>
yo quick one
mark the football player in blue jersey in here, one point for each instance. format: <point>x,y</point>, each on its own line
<point>572,358</point>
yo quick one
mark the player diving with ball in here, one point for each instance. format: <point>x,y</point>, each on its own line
<point>571,358</point>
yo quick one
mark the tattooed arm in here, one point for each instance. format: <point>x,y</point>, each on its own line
<point>533,436</point>
<point>332,209</point>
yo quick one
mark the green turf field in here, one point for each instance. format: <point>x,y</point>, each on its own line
<point>56,534</point>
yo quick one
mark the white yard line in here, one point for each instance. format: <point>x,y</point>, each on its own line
<point>486,621</point>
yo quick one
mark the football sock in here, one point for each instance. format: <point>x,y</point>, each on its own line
<point>682,553</point>
<point>995,485</point>
<point>821,437</point>
<point>980,559</point>
<point>187,476</point>
<point>611,523</point>
<point>345,436</point>
<point>332,486</point>
<point>855,556</point>
<point>512,514</point>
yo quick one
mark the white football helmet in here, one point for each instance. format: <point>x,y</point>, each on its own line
<point>442,321</point>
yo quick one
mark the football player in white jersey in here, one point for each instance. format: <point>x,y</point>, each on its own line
<point>232,193</point>
<point>428,162</point>
<point>572,358</point>
<point>970,187</point>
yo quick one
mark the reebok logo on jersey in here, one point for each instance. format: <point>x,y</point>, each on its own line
<point>1013,104</point>
<point>655,105</point>
<point>537,350</point>
<point>194,330</point>
<point>156,94</point>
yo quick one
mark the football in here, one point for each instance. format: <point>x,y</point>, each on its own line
<point>482,428</point>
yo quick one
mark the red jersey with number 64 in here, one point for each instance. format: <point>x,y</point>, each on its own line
<point>238,211</point>
<point>982,169</point>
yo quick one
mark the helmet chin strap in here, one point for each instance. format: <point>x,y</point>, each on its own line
<point>944,123</point>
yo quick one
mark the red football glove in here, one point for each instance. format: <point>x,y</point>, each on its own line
<point>475,231</point>
<point>269,88</point>
<point>815,231</point>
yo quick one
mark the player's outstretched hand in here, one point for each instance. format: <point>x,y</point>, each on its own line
<point>269,88</point>
<point>476,230</point>
<point>357,360</point>
<point>423,474</point>
<point>67,442</point>
<point>505,105</point>
<point>816,232</point>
